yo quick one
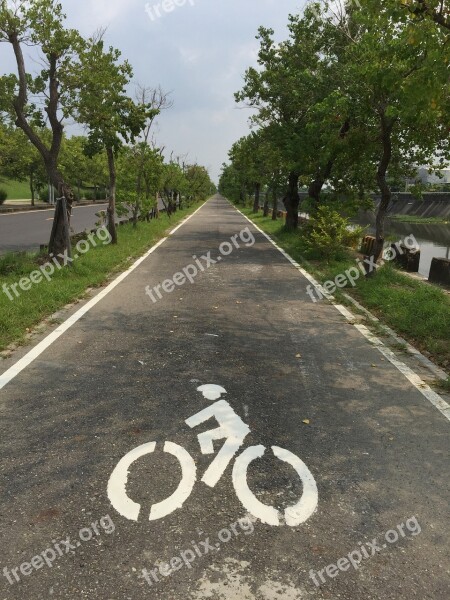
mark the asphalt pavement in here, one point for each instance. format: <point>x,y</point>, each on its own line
<point>329,474</point>
<point>27,230</point>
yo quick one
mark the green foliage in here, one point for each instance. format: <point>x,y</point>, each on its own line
<point>19,159</point>
<point>352,100</point>
<point>197,183</point>
<point>139,178</point>
<point>330,234</point>
<point>44,194</point>
<point>444,384</point>
<point>3,195</point>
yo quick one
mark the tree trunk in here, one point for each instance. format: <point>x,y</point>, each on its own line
<point>317,184</point>
<point>60,236</point>
<point>111,210</point>
<point>257,197</point>
<point>323,175</point>
<point>275,205</point>
<point>386,194</point>
<point>292,201</point>
<point>32,189</point>
<point>266,206</point>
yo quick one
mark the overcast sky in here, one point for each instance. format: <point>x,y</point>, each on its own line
<point>199,52</point>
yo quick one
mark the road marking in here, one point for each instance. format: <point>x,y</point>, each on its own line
<point>235,431</point>
<point>31,356</point>
<point>231,428</point>
<point>117,484</point>
<point>211,391</point>
<point>410,375</point>
<point>294,515</point>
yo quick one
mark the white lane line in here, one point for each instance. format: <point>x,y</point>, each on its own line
<point>410,375</point>
<point>25,361</point>
<point>43,210</point>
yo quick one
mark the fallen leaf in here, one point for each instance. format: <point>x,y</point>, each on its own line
<point>306,421</point>
<point>298,356</point>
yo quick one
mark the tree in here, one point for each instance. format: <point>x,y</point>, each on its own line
<point>172,184</point>
<point>111,117</point>
<point>41,23</point>
<point>139,176</point>
<point>258,161</point>
<point>78,168</point>
<point>198,184</point>
<point>436,10</point>
<point>230,184</point>
<point>398,76</point>
<point>293,78</point>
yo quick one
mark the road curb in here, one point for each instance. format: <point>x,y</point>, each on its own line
<point>28,208</point>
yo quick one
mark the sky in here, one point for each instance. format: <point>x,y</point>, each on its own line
<point>199,51</point>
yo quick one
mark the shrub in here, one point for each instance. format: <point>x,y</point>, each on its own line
<point>90,195</point>
<point>330,234</point>
<point>43,194</point>
<point>3,195</point>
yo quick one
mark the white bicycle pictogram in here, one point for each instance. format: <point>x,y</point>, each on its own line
<point>234,431</point>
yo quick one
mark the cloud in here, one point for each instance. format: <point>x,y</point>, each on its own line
<point>199,53</point>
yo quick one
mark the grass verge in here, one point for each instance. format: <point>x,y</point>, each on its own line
<point>16,190</point>
<point>90,270</point>
<point>417,311</point>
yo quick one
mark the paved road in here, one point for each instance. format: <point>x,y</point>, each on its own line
<point>28,230</point>
<point>127,374</point>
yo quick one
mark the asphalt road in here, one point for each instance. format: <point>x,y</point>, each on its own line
<point>22,231</point>
<point>28,230</point>
<point>299,378</point>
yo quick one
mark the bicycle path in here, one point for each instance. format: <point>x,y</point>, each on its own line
<point>297,375</point>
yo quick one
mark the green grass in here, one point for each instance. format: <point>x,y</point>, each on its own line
<point>443,384</point>
<point>16,190</point>
<point>416,310</point>
<point>69,284</point>
<point>423,220</point>
<point>20,190</point>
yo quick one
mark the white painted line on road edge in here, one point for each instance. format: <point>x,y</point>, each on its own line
<point>25,361</point>
<point>410,375</point>
<point>440,374</point>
